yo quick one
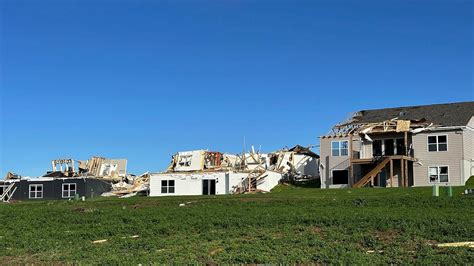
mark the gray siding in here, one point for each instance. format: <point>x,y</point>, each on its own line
<point>452,157</point>
<point>52,189</point>
<point>334,162</point>
<point>468,154</point>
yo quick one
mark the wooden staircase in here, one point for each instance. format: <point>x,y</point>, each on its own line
<point>373,173</point>
<point>8,193</point>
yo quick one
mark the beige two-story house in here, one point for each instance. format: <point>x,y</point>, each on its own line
<point>400,147</point>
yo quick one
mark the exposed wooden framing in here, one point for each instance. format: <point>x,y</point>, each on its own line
<point>391,173</point>
<point>393,125</point>
<point>405,138</point>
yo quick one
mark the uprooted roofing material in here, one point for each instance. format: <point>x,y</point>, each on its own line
<point>98,167</point>
<point>413,119</point>
<point>202,160</point>
<point>449,114</point>
<point>11,176</point>
<point>111,170</point>
<point>296,163</point>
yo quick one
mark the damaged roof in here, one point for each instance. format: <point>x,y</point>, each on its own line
<point>303,150</point>
<point>448,114</point>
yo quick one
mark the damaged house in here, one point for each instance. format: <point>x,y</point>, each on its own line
<point>400,147</point>
<point>67,179</point>
<point>202,172</point>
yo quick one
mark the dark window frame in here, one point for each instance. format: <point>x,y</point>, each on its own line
<point>168,186</point>
<point>434,146</point>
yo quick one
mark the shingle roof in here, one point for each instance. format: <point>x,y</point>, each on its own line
<point>303,150</point>
<point>448,114</point>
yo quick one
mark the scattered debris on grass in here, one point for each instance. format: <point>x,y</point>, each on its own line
<point>134,236</point>
<point>456,244</point>
<point>374,251</point>
<point>99,241</point>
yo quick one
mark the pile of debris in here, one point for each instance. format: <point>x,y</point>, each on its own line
<point>297,163</point>
<point>131,185</point>
<point>110,170</point>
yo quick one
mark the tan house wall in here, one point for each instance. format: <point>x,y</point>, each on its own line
<point>468,154</point>
<point>330,162</point>
<point>452,158</point>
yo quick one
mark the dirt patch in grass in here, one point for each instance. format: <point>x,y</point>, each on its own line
<point>256,199</point>
<point>24,260</point>
<point>215,251</point>
<point>315,230</point>
<point>386,236</point>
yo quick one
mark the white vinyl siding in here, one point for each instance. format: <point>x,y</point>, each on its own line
<point>36,191</point>
<point>167,186</point>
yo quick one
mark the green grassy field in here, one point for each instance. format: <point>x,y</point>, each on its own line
<point>290,225</point>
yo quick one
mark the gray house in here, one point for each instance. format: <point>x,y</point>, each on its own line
<point>49,188</point>
<point>400,147</point>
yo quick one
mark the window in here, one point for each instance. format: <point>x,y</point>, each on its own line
<point>167,186</point>
<point>69,190</point>
<point>185,160</point>
<point>340,148</point>
<point>438,143</point>
<point>438,174</point>
<point>340,177</point>
<point>36,191</point>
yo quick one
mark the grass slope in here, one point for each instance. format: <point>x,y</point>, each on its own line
<point>290,225</point>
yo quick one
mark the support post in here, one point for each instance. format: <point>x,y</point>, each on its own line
<point>405,138</point>
<point>406,173</point>
<point>351,168</point>
<point>402,173</point>
<point>391,172</point>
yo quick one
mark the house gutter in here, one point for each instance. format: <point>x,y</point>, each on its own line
<point>419,130</point>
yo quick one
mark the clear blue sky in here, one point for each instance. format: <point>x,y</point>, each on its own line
<point>144,79</point>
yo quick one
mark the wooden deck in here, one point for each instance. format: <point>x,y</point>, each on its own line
<point>373,160</point>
